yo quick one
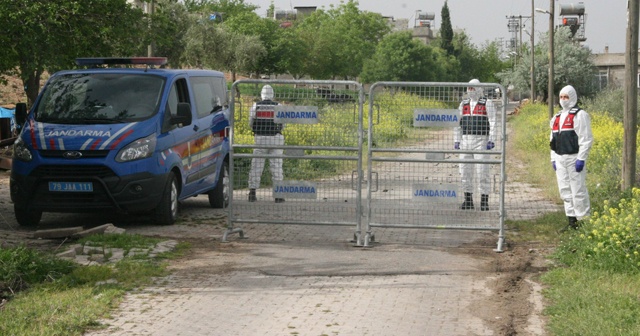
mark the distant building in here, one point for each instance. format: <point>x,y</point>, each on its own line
<point>611,69</point>
<point>396,24</point>
<point>421,30</point>
<point>423,26</point>
<point>138,3</point>
<point>303,11</point>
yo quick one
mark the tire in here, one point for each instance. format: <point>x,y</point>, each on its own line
<point>219,196</point>
<point>166,212</point>
<point>28,218</point>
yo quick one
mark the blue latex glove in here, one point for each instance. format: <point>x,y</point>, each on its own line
<point>456,145</point>
<point>579,165</point>
<point>490,145</point>
<point>553,163</point>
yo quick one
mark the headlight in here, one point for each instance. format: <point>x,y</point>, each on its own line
<point>21,151</point>
<point>139,149</point>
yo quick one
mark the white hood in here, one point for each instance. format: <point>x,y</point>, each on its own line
<point>267,92</point>
<point>477,93</point>
<point>573,97</point>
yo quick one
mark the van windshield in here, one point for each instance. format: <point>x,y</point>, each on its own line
<point>99,98</point>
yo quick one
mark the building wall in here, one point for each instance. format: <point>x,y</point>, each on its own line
<point>611,66</point>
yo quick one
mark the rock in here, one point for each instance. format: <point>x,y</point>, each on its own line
<point>57,233</point>
<point>96,230</point>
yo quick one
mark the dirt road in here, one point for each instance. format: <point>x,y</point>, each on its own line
<point>310,280</point>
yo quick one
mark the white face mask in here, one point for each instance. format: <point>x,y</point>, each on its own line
<point>473,95</point>
<point>565,103</point>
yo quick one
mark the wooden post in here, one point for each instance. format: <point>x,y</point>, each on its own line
<point>550,93</point>
<point>630,98</point>
<point>533,76</point>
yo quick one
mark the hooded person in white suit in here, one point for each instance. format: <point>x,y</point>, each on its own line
<point>570,141</point>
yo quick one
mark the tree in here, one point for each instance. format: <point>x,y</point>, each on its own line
<point>473,62</point>
<point>49,35</point>
<point>355,37</point>
<point>341,39</point>
<point>482,63</point>
<point>320,53</point>
<point>446,31</point>
<point>490,62</point>
<point>167,28</point>
<point>572,64</point>
<point>293,52</point>
<point>228,8</point>
<point>467,55</point>
<point>209,45</point>
<point>400,57</point>
<point>267,31</point>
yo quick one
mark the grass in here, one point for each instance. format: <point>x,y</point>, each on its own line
<point>592,302</point>
<point>544,229</point>
<point>67,299</point>
<point>594,287</point>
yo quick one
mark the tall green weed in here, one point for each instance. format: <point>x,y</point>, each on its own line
<point>531,143</point>
<point>21,268</point>
<point>595,289</point>
<point>609,239</point>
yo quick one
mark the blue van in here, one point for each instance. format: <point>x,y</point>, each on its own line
<point>134,139</point>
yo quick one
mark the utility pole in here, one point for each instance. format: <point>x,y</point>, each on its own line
<point>150,10</point>
<point>551,60</point>
<point>630,97</point>
<point>533,76</point>
<point>550,94</point>
<point>520,49</point>
<point>515,26</point>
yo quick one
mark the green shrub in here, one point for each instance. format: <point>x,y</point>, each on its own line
<point>609,101</point>
<point>610,240</point>
<point>22,267</point>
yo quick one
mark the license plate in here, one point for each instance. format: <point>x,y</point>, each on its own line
<point>71,186</point>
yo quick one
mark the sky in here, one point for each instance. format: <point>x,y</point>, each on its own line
<point>483,21</point>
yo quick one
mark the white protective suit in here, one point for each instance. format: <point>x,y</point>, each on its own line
<point>265,137</point>
<point>571,183</point>
<point>466,141</point>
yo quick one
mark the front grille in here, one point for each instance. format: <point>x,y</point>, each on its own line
<point>86,154</point>
<point>74,171</point>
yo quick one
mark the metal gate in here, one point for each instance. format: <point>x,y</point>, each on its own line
<point>321,155</point>
<point>414,167</point>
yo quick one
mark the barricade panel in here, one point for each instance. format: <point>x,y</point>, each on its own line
<point>310,134</point>
<point>408,155</point>
<point>435,158</point>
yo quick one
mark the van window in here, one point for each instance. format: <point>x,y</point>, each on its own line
<point>220,90</point>
<point>177,94</point>
<point>209,94</point>
<point>99,98</point>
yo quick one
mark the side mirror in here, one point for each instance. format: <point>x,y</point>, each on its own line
<point>21,115</point>
<point>183,115</point>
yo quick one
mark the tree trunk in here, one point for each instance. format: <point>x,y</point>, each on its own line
<point>233,80</point>
<point>32,86</point>
<point>630,98</point>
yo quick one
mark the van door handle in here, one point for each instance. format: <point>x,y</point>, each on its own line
<point>196,128</point>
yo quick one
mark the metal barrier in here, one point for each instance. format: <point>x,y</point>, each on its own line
<point>413,173</point>
<point>315,134</point>
<point>414,169</point>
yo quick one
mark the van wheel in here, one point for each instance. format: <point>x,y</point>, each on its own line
<point>167,211</point>
<point>27,217</point>
<point>219,196</point>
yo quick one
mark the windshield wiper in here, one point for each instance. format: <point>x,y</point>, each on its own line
<point>96,121</point>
